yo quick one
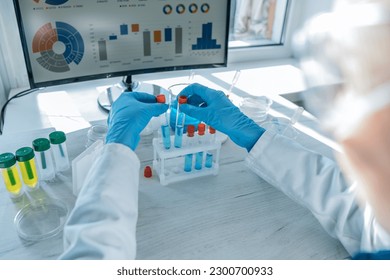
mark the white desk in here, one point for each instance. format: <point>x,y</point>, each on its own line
<point>234,215</point>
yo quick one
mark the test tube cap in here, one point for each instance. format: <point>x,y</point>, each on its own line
<point>57,137</point>
<point>24,154</point>
<point>190,130</point>
<point>182,99</point>
<point>7,160</point>
<point>160,98</point>
<point>41,144</point>
<point>211,130</point>
<point>201,129</point>
<point>148,172</point>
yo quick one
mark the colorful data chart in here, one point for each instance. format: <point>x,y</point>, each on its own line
<point>53,2</point>
<point>58,46</point>
<point>206,42</point>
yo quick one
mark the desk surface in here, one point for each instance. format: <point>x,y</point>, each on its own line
<point>234,215</point>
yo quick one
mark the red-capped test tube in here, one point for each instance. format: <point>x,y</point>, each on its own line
<point>189,142</point>
<point>165,130</point>
<point>180,119</point>
<point>210,154</point>
<point>199,155</point>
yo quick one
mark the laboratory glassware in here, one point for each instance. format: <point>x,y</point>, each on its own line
<point>256,107</point>
<point>60,152</point>
<point>44,159</point>
<point>189,142</point>
<point>201,140</point>
<point>180,120</point>
<point>95,133</point>
<point>10,173</point>
<point>234,81</point>
<point>210,154</point>
<point>165,129</point>
<point>26,159</point>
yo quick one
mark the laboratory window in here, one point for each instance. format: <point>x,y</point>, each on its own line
<point>255,23</point>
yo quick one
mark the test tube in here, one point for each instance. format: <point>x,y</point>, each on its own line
<point>165,130</point>
<point>26,158</point>
<point>180,119</point>
<point>189,142</point>
<point>209,154</point>
<point>199,155</point>
<point>60,153</point>
<point>44,159</point>
<point>234,81</point>
<point>10,173</point>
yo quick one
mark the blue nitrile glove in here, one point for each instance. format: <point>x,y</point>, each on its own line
<point>129,115</point>
<point>215,109</point>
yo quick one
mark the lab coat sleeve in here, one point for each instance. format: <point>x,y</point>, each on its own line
<point>317,183</point>
<point>102,224</point>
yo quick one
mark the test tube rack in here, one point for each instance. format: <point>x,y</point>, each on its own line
<point>169,163</point>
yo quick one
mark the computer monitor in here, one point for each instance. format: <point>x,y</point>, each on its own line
<point>66,41</point>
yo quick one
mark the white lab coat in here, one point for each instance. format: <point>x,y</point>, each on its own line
<point>103,222</point>
<point>317,183</point>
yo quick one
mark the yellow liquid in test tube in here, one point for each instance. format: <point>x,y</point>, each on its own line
<point>29,173</point>
<point>12,180</point>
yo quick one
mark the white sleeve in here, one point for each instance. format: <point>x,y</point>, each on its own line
<point>102,224</point>
<point>317,183</point>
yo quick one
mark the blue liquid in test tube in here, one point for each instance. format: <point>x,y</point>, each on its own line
<point>178,136</point>
<point>209,160</point>
<point>199,155</point>
<point>199,160</point>
<point>188,163</point>
<point>165,130</point>
<point>180,119</point>
<point>166,135</point>
<point>209,154</point>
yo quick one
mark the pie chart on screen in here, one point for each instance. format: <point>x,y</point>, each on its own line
<point>58,46</point>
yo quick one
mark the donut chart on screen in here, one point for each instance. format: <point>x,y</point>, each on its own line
<point>58,46</point>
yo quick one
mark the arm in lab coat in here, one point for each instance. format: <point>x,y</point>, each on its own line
<point>102,224</point>
<point>317,183</point>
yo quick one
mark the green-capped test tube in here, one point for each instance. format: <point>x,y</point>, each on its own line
<point>44,159</point>
<point>60,153</point>
<point>10,174</point>
<point>26,159</point>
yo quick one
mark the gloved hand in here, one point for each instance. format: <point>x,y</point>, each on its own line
<point>216,110</point>
<point>129,115</point>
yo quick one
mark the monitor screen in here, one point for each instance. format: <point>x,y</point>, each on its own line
<point>67,41</point>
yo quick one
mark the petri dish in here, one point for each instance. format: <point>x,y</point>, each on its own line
<point>256,107</point>
<point>41,219</point>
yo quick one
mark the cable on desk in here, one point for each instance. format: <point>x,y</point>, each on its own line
<point>20,94</point>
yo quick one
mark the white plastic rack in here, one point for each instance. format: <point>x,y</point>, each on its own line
<point>169,163</point>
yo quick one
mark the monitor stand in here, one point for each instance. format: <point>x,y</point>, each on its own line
<point>110,94</point>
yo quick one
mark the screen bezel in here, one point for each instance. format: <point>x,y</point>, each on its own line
<point>34,84</point>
